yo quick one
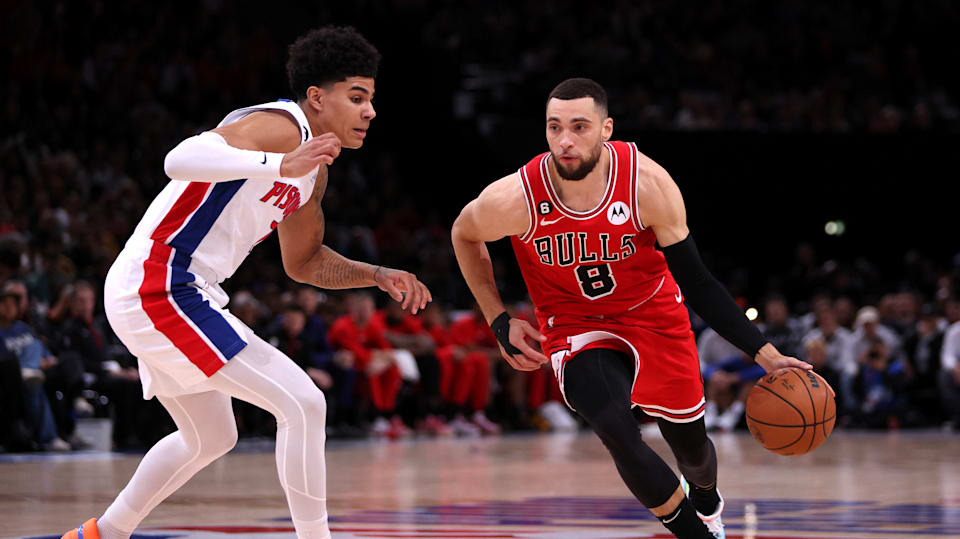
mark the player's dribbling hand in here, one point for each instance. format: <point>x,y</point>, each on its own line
<point>316,151</point>
<point>403,287</point>
<point>529,359</point>
<point>771,360</point>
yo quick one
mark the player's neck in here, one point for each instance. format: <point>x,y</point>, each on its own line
<point>585,194</point>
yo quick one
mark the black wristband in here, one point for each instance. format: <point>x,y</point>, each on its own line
<point>501,330</point>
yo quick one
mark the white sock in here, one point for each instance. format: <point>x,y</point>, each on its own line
<point>118,521</point>
<point>312,529</point>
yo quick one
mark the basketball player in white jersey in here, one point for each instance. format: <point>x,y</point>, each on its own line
<point>262,168</point>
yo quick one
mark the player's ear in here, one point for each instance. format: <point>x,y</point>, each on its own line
<point>606,129</point>
<point>315,97</point>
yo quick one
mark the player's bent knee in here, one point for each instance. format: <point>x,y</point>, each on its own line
<point>230,438</point>
<point>314,404</point>
<point>616,428</point>
<point>219,442</point>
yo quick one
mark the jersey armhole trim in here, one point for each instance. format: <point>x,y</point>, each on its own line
<point>634,181</point>
<point>281,105</point>
<point>528,198</point>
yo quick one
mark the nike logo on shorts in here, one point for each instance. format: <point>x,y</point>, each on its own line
<point>678,297</point>
<point>264,162</point>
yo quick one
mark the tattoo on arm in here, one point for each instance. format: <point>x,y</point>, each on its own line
<point>332,270</point>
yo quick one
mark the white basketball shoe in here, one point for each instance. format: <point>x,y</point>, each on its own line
<point>713,522</point>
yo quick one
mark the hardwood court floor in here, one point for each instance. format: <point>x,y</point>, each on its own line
<point>544,486</point>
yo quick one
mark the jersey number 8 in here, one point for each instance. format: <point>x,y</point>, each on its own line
<point>596,281</point>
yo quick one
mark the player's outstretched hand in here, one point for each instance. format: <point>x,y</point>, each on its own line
<point>403,287</point>
<point>771,360</point>
<point>319,150</point>
<point>528,359</point>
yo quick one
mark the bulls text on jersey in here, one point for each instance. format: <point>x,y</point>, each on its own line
<point>592,253</point>
<point>571,248</point>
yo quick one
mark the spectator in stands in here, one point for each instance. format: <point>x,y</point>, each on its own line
<point>65,379</point>
<point>808,321</point>
<point>250,311</point>
<point>868,329</point>
<point>846,311</point>
<point>922,351</point>
<point>467,381</point>
<point>829,348</point>
<point>729,375</point>
<point>906,312</point>
<point>879,387</point>
<point>950,364</point>
<point>362,335</point>
<point>779,328</point>
<point>14,433</point>
<point>22,342</point>
<point>113,371</point>
<point>406,332</point>
<point>309,351</point>
<point>25,310</point>
<point>317,308</point>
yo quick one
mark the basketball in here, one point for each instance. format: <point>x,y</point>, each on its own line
<point>791,411</point>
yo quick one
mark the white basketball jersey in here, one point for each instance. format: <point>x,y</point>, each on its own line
<point>211,227</point>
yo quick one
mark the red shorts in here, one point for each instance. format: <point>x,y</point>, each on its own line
<point>657,334</point>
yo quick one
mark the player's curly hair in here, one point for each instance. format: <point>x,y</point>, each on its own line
<point>327,55</point>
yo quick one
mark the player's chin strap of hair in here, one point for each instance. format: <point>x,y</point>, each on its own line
<point>501,330</point>
<point>710,299</point>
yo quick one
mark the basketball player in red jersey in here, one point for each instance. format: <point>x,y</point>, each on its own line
<point>584,219</point>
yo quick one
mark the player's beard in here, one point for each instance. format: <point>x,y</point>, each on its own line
<point>586,166</point>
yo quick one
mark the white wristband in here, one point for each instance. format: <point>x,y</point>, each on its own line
<point>208,158</point>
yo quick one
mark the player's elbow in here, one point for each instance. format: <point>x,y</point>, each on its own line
<point>456,231</point>
<point>174,164</point>
<point>296,270</point>
<point>462,227</point>
<point>297,275</point>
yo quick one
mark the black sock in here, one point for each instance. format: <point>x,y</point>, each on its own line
<point>705,500</point>
<point>684,522</point>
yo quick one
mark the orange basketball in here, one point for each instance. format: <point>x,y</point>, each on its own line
<point>791,411</point>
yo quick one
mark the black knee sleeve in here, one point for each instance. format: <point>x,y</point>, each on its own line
<point>598,384</point>
<point>696,456</point>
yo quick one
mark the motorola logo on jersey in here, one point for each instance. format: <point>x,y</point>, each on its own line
<point>618,213</point>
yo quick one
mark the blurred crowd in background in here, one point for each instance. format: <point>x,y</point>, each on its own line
<point>94,97</point>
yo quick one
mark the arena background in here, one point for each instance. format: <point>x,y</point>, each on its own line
<point>773,119</point>
<point>780,121</point>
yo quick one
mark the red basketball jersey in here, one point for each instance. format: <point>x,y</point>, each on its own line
<point>588,264</point>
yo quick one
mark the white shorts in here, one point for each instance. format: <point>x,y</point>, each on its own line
<point>173,321</point>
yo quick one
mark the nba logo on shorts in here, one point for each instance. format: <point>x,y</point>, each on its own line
<point>618,213</point>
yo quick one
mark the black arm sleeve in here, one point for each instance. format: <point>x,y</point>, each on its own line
<point>710,299</point>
